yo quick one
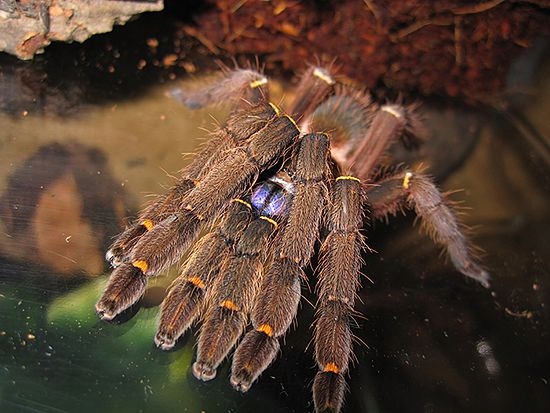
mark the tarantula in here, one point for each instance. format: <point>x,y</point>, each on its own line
<point>269,188</point>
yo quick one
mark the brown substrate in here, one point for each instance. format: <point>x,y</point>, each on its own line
<point>455,48</point>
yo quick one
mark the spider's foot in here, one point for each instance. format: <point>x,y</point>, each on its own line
<point>241,383</point>
<point>203,371</point>
<point>236,85</point>
<point>483,277</point>
<point>464,261</point>
<point>124,243</point>
<point>328,391</point>
<point>110,257</point>
<point>113,258</point>
<point>165,340</point>
<point>125,287</point>
<point>253,356</point>
<point>106,310</point>
<point>475,272</point>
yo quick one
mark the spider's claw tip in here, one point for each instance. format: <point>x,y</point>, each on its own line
<point>472,270</point>
<point>112,258</point>
<point>481,276</point>
<point>484,279</point>
<point>203,372</point>
<point>104,309</point>
<point>164,342</point>
<point>104,314</point>
<point>240,384</point>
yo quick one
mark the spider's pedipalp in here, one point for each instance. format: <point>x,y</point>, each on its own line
<point>256,352</point>
<point>273,312</point>
<point>338,281</point>
<point>279,295</point>
<point>417,191</point>
<point>185,298</point>
<point>235,290</point>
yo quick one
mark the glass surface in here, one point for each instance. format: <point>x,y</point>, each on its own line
<point>78,158</point>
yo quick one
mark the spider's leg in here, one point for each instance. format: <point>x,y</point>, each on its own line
<point>235,86</point>
<point>232,298</point>
<point>164,244</point>
<point>391,122</point>
<point>162,207</point>
<point>316,84</point>
<point>279,294</point>
<point>415,190</point>
<point>184,300</point>
<point>338,281</point>
<point>347,115</point>
<point>125,286</point>
<point>239,127</point>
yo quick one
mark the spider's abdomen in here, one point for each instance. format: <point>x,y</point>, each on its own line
<point>270,199</point>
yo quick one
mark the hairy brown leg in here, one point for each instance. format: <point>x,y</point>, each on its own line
<point>126,285</point>
<point>279,295</point>
<point>232,298</point>
<point>165,242</point>
<point>186,294</point>
<point>161,246</point>
<point>417,191</point>
<point>239,127</point>
<point>338,281</point>
<point>316,84</point>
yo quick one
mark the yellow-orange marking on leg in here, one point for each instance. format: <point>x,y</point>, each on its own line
<point>323,75</point>
<point>293,121</point>
<point>266,329</point>
<point>242,202</point>
<point>230,305</point>
<point>272,222</point>
<point>142,265</point>
<point>259,82</point>
<point>148,224</point>
<point>407,180</point>
<point>197,282</point>
<point>275,108</point>
<point>331,367</point>
<point>392,110</point>
<point>348,178</point>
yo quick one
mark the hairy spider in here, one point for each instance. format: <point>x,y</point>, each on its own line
<point>269,189</point>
